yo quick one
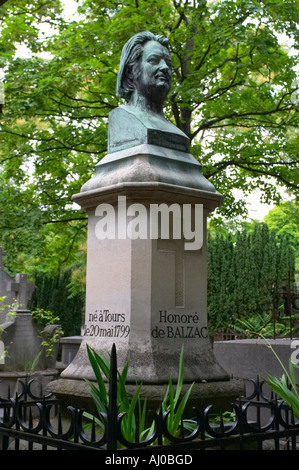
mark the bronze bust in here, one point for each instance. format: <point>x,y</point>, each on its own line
<point>144,81</point>
<point>144,76</point>
<point>143,147</point>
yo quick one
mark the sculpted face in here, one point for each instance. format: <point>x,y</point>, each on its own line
<point>153,79</point>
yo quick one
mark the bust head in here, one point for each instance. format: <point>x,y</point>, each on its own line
<point>145,69</point>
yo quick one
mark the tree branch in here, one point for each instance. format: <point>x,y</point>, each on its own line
<point>234,114</point>
<point>104,103</point>
<point>53,139</point>
<point>202,60</point>
<point>247,166</point>
<point>72,243</point>
<point>59,221</point>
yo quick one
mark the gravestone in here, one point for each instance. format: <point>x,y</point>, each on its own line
<point>22,291</point>
<point>147,206</point>
<point>20,335</point>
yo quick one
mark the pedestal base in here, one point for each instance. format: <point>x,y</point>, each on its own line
<point>219,394</point>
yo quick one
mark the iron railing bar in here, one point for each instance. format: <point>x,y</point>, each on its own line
<point>225,441</point>
<point>112,409</point>
<point>46,440</point>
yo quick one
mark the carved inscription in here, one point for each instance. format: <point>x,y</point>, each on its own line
<point>179,325</point>
<point>106,324</point>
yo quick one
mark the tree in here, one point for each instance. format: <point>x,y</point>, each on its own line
<point>284,219</point>
<point>52,294</point>
<point>246,275</point>
<point>234,95</point>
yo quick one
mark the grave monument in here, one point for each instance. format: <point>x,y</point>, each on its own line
<point>147,206</point>
<point>20,336</point>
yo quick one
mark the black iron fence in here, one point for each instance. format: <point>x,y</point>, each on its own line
<point>258,421</point>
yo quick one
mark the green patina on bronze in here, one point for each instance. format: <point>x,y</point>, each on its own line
<point>144,80</point>
<point>142,145</point>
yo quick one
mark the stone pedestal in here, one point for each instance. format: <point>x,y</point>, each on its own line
<point>146,290</point>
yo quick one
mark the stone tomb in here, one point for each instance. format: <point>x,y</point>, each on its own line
<point>146,287</point>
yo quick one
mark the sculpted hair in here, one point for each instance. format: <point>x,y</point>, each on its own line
<point>131,53</point>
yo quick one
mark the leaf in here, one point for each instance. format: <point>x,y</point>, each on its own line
<point>180,376</point>
<point>142,415</point>
<point>93,418</point>
<point>180,410</point>
<point>121,389</point>
<point>98,397</point>
<point>293,380</point>
<point>102,394</point>
<point>280,387</point>
<point>130,415</point>
<point>102,362</point>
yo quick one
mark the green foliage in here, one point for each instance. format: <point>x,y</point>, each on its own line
<point>10,315</point>
<point>100,364</point>
<point>284,220</point>
<point>45,318</point>
<point>286,386</point>
<point>282,388</point>
<point>174,404</point>
<point>261,324</point>
<point>233,87</point>
<point>135,407</point>
<point>53,294</point>
<point>245,276</point>
<point>20,21</point>
<point>11,308</point>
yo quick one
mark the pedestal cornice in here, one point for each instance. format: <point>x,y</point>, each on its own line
<point>148,172</point>
<point>150,192</point>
